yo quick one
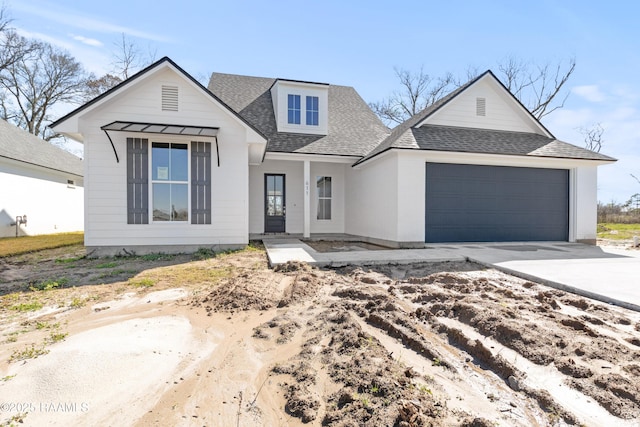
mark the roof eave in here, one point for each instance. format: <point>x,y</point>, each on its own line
<point>597,162</point>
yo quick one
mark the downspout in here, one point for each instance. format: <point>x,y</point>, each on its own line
<point>113,146</point>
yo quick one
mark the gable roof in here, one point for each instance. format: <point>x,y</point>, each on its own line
<point>128,82</point>
<point>414,134</point>
<point>18,144</point>
<point>353,129</point>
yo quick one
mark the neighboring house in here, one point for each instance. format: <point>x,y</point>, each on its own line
<point>39,181</point>
<point>173,166</point>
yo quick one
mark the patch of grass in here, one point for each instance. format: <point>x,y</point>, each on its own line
<point>7,378</point>
<point>423,388</point>
<point>18,418</point>
<point>49,284</point>
<point>77,302</point>
<point>204,253</point>
<point>144,282</point>
<point>28,353</point>
<point>12,338</point>
<point>56,337</point>
<point>254,246</point>
<point>115,272</point>
<point>618,231</point>
<point>187,274</point>
<point>47,325</point>
<point>157,257</point>
<point>27,306</point>
<point>68,260</point>
<point>10,246</point>
<point>107,265</point>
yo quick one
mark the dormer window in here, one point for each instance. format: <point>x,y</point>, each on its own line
<point>293,109</point>
<point>301,107</point>
<point>312,111</point>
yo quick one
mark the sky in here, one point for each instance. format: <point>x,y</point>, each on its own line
<point>358,43</point>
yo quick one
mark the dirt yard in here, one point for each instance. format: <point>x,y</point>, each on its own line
<point>226,341</point>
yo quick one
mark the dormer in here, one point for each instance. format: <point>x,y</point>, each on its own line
<point>301,107</point>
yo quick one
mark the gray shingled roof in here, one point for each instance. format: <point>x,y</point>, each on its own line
<point>20,145</point>
<point>485,141</point>
<point>354,130</point>
<point>471,140</point>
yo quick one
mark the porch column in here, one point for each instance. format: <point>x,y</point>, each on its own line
<point>307,200</point>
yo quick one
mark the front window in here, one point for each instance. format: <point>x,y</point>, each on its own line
<point>170,181</point>
<point>323,189</point>
<point>312,110</point>
<point>293,109</point>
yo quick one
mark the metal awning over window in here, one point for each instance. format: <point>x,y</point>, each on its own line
<point>202,131</point>
<point>162,129</point>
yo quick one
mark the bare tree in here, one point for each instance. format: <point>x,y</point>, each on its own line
<point>418,91</point>
<point>127,60</point>
<point>592,137</point>
<point>128,57</point>
<point>97,86</point>
<point>12,46</point>
<point>540,88</point>
<point>35,83</point>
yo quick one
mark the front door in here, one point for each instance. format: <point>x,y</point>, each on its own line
<point>274,206</point>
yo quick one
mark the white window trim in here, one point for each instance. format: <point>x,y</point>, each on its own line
<point>317,111</point>
<point>318,198</point>
<point>151,181</point>
<point>302,110</point>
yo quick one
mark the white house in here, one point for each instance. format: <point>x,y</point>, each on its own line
<point>42,185</point>
<point>173,166</point>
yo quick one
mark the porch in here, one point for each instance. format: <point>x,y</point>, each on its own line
<point>297,195</point>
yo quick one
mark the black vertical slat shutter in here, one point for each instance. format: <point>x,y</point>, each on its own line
<point>137,181</point>
<point>200,182</point>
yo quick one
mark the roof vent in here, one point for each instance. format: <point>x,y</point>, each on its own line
<point>481,106</point>
<point>169,98</point>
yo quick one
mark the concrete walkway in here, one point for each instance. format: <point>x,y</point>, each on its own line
<point>605,274</point>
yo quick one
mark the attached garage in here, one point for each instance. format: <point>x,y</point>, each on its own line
<point>476,203</point>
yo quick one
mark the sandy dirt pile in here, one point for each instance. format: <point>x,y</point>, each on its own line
<point>226,341</point>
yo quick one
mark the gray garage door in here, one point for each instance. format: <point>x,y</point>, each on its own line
<point>469,203</point>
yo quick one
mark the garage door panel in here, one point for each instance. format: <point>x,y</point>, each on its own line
<point>473,203</point>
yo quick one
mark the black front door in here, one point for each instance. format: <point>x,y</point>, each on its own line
<point>274,205</point>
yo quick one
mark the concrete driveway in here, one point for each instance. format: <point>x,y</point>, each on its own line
<point>605,274</point>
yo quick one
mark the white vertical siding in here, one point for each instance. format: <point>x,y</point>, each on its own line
<point>500,113</point>
<point>106,198</point>
<point>43,196</point>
